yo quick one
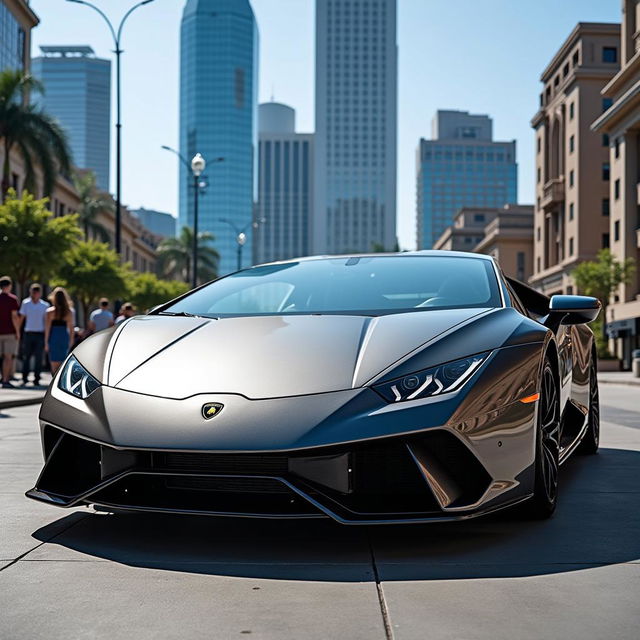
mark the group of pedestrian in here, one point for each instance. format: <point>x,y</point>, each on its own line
<point>39,327</point>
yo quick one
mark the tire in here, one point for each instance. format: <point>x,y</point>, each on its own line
<point>591,438</point>
<point>545,494</point>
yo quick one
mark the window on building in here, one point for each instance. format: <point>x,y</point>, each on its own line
<point>576,57</point>
<point>571,110</point>
<point>572,144</point>
<point>538,234</point>
<point>605,240</point>
<point>570,246</point>
<point>609,54</point>
<point>478,217</point>
<point>571,177</point>
<point>565,70</point>
<point>606,103</point>
<point>239,87</point>
<point>538,175</point>
<point>605,206</point>
<point>617,148</point>
<point>571,211</point>
<point>520,258</point>
<point>606,170</point>
<point>616,189</point>
<point>605,139</point>
<point>538,264</point>
<point>616,231</point>
<point>539,144</point>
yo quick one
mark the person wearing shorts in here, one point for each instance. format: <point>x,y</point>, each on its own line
<point>9,329</point>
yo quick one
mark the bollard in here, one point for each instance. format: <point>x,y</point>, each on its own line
<point>635,354</point>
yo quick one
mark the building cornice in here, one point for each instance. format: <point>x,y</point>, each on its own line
<point>581,29</point>
<point>627,104</point>
<point>27,12</point>
<point>625,75</point>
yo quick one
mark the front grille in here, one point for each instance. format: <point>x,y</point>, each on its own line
<point>230,484</point>
<point>215,463</point>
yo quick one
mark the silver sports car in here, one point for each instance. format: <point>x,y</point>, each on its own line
<point>369,388</point>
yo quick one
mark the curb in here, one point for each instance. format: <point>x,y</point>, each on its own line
<point>22,402</point>
<point>626,383</point>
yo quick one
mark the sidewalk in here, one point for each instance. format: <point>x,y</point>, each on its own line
<point>618,377</point>
<point>22,395</point>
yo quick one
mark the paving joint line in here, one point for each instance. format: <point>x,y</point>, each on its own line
<point>384,610</point>
<point>26,553</point>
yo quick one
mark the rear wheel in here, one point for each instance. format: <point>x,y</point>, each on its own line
<point>591,438</point>
<point>545,494</point>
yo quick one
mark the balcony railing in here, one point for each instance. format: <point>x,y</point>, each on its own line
<point>553,192</point>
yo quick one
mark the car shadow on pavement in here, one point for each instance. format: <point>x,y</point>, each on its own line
<point>597,523</point>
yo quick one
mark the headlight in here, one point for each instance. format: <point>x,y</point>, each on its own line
<point>431,382</point>
<point>76,380</point>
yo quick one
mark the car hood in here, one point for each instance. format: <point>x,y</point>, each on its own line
<point>264,356</point>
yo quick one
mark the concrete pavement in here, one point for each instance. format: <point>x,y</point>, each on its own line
<point>22,395</point>
<point>84,575</point>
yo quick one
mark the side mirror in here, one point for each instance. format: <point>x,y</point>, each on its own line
<point>574,309</point>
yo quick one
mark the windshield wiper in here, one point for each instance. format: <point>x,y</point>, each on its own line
<point>182,314</point>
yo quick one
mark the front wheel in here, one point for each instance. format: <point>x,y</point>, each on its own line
<point>545,493</point>
<point>591,438</point>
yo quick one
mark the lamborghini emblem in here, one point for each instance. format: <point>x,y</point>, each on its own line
<point>211,410</point>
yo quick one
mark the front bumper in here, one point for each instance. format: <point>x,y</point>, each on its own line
<point>347,455</point>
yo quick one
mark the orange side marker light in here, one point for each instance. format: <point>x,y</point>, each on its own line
<point>529,399</point>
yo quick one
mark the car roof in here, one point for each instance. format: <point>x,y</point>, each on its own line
<point>425,252</point>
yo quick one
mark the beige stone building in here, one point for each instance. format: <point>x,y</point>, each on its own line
<point>467,229</point>
<point>509,239</point>
<point>572,162</point>
<point>621,123</point>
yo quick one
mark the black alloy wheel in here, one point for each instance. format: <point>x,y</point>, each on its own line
<point>591,438</point>
<point>545,495</point>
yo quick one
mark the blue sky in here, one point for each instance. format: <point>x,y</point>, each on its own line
<point>484,56</point>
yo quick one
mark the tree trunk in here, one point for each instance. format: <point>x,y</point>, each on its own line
<point>6,170</point>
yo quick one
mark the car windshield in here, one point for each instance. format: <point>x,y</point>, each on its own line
<point>357,285</point>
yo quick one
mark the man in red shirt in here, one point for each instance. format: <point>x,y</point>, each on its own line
<point>9,329</point>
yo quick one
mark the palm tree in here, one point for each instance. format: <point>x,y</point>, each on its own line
<point>92,202</point>
<point>37,136</point>
<point>175,256</point>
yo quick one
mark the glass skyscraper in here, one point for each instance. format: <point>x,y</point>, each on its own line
<point>356,121</point>
<point>461,167</point>
<point>78,94</point>
<point>285,186</point>
<point>218,116</point>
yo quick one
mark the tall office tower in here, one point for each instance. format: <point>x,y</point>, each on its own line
<point>285,186</point>
<point>218,114</point>
<point>459,167</point>
<point>356,121</point>
<point>78,93</point>
<point>16,21</point>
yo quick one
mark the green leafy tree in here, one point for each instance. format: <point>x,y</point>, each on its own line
<point>91,270</point>
<point>37,136</point>
<point>175,256</point>
<point>146,290</point>
<point>92,203</point>
<point>601,278</point>
<point>32,241</point>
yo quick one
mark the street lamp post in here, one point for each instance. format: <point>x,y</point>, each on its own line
<point>241,236</point>
<point>196,167</point>
<point>116,39</point>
